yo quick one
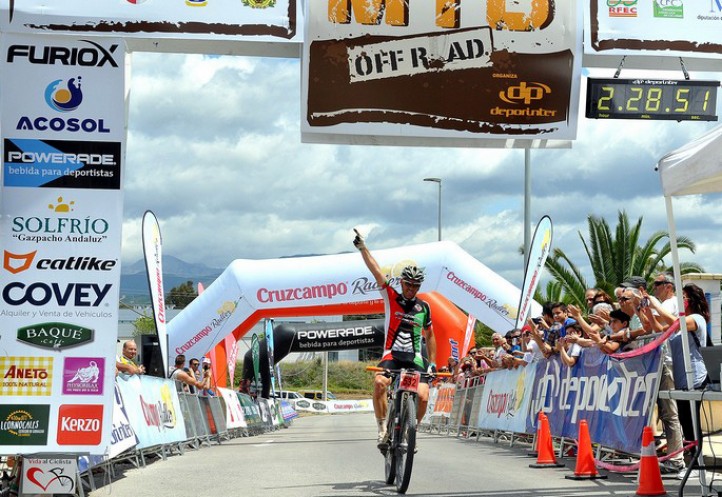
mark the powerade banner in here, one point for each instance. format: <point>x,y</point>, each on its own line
<point>672,28</point>
<point>338,335</point>
<point>506,398</point>
<point>234,411</point>
<point>614,396</point>
<point>147,24</point>
<point>153,409</point>
<point>452,69</point>
<point>62,143</point>
<point>153,255</point>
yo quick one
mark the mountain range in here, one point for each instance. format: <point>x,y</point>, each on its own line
<point>134,278</point>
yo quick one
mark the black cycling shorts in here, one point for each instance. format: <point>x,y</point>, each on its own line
<point>395,363</point>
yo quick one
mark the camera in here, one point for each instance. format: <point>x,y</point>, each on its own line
<point>536,320</point>
<point>644,302</point>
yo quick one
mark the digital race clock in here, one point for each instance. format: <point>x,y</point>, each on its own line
<point>652,99</point>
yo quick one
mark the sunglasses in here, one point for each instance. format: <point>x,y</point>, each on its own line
<point>411,284</point>
<point>660,283</point>
<point>624,299</point>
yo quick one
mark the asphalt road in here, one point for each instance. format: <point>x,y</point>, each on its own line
<point>335,455</point>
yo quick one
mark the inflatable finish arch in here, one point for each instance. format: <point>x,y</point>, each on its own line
<point>250,290</point>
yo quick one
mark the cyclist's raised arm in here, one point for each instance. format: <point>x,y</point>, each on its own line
<point>430,345</point>
<point>371,263</point>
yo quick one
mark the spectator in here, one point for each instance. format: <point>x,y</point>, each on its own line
<point>513,339</point>
<point>194,372</point>
<point>602,297</point>
<point>595,323</point>
<point>183,380</point>
<point>125,363</point>
<point>452,366</point>
<point>697,317</point>
<point>561,316</point>
<point>207,390</point>
<point>589,295</point>
<point>567,348</point>
<point>533,339</point>
<point>500,346</point>
<point>619,323</point>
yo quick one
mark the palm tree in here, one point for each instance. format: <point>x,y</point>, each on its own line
<point>614,256</point>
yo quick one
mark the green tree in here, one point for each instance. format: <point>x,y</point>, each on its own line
<point>182,295</point>
<point>614,255</point>
<point>144,325</point>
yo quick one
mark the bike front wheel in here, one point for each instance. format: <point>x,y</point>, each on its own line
<point>390,454</point>
<point>407,444</point>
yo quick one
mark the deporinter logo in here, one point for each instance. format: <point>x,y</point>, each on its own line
<point>259,4</point>
<point>66,97</point>
<point>196,3</point>
<point>522,97</point>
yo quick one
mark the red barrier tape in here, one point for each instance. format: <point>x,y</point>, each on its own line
<point>650,346</point>
<point>616,468</point>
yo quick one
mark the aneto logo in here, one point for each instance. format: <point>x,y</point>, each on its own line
<point>64,97</point>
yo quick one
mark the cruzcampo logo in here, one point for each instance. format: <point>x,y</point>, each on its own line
<point>56,336</point>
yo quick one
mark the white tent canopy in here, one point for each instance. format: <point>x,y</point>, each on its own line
<point>691,169</point>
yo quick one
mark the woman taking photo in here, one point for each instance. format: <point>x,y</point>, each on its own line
<point>697,316</point>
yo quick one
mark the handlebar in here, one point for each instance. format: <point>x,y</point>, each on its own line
<point>377,369</point>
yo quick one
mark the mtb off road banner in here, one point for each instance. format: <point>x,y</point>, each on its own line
<point>452,70</point>
<point>689,28</point>
<point>208,26</point>
<point>62,119</point>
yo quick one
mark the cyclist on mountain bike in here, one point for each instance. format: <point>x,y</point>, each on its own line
<point>408,318</point>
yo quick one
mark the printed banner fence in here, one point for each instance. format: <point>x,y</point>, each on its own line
<point>506,399</point>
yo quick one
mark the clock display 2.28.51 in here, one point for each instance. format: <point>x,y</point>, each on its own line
<point>652,99</point>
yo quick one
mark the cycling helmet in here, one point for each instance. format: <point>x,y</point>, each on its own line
<point>412,273</point>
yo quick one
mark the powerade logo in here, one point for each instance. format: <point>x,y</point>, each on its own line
<point>94,55</point>
<point>38,229</point>
<point>64,98</point>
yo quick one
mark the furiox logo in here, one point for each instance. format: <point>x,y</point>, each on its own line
<point>94,55</point>
<point>64,98</point>
<point>521,97</point>
<point>80,424</point>
<point>17,263</point>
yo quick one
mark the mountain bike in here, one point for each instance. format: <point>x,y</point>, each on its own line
<point>401,424</point>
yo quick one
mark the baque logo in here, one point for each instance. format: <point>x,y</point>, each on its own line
<point>259,4</point>
<point>64,98</point>
<point>80,424</point>
<point>60,229</point>
<point>55,336</point>
<point>17,263</point>
<point>23,424</point>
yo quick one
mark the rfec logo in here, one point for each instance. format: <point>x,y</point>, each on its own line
<point>64,97</point>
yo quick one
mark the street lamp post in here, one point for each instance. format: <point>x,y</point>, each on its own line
<point>438,181</point>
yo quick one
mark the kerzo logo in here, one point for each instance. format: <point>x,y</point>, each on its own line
<point>94,56</point>
<point>64,98</point>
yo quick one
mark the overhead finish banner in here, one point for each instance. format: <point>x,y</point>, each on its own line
<point>444,69</point>
<point>62,123</point>
<point>688,28</point>
<point>144,23</point>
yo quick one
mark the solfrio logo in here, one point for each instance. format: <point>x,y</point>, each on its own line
<point>64,96</point>
<point>60,228</point>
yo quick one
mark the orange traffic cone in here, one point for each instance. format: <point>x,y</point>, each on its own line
<point>649,476</point>
<point>545,447</point>
<point>585,469</point>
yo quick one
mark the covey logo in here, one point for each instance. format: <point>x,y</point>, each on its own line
<point>61,294</point>
<point>80,424</point>
<point>66,97</point>
<point>94,55</point>
<point>17,263</point>
<point>56,336</point>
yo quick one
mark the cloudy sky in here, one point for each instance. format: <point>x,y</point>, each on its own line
<point>214,149</point>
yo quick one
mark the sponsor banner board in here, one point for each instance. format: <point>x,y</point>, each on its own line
<point>234,410</point>
<point>53,475</point>
<point>338,336</point>
<point>153,409</point>
<point>215,26</point>
<point>614,396</point>
<point>671,28</point>
<point>506,398</point>
<point>62,145</point>
<point>451,70</point>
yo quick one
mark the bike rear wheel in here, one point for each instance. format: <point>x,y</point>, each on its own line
<point>406,443</point>
<point>390,455</point>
